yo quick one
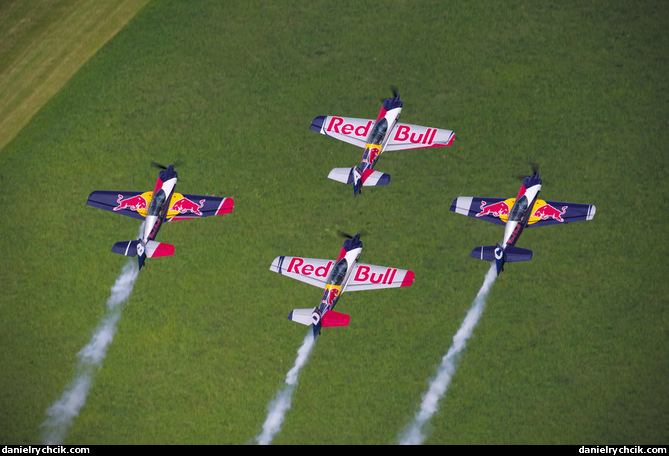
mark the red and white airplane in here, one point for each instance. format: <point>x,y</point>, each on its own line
<point>335,277</point>
<point>525,210</point>
<point>376,137</point>
<point>156,207</point>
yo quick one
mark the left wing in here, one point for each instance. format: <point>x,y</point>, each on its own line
<point>495,210</point>
<point>185,206</point>
<point>370,277</point>
<point>313,271</point>
<point>348,129</point>
<point>132,204</point>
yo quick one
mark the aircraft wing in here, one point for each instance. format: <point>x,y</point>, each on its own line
<point>131,204</point>
<point>495,210</point>
<point>348,129</point>
<point>554,212</point>
<point>406,136</point>
<point>185,206</point>
<point>309,270</point>
<point>370,277</point>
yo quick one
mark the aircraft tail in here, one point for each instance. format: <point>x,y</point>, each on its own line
<point>358,178</point>
<point>329,319</point>
<point>495,253</point>
<point>302,316</point>
<point>150,249</point>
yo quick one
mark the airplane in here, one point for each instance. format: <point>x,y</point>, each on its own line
<point>161,205</point>
<point>336,277</point>
<point>525,210</point>
<point>376,137</point>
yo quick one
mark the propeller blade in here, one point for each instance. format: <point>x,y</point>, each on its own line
<point>344,235</point>
<point>158,165</point>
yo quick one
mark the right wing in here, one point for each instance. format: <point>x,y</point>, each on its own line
<point>185,206</point>
<point>406,136</point>
<point>309,270</point>
<point>132,204</point>
<point>371,277</point>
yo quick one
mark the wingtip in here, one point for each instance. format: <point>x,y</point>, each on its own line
<point>408,279</point>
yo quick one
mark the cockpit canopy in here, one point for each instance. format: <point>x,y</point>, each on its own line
<point>518,209</point>
<point>338,272</point>
<point>378,132</point>
<point>157,202</point>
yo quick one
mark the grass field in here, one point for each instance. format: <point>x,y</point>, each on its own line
<point>572,347</point>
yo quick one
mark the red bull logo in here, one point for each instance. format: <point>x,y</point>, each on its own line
<point>546,211</point>
<point>184,205</point>
<point>133,203</point>
<point>330,294</point>
<point>495,210</point>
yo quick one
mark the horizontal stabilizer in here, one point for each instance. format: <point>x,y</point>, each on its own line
<point>158,249</point>
<point>302,316</point>
<point>511,254</point>
<point>343,175</point>
<point>152,248</point>
<point>370,178</point>
<point>127,248</point>
<point>332,318</point>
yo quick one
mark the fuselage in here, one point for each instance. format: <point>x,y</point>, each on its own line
<point>522,208</point>
<point>157,211</point>
<point>338,277</point>
<point>380,133</point>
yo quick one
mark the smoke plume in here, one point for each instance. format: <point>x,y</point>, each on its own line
<point>413,433</point>
<point>62,413</point>
<point>281,403</point>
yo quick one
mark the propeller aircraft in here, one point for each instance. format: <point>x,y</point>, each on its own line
<point>525,210</point>
<point>376,137</point>
<point>335,277</point>
<point>161,205</point>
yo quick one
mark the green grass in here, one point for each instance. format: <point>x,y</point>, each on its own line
<point>43,44</point>
<point>572,346</point>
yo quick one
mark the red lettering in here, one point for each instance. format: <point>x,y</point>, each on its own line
<point>392,276</point>
<point>414,140</point>
<point>434,133</point>
<point>363,130</point>
<point>347,129</point>
<point>308,269</point>
<point>334,123</point>
<point>427,135</point>
<point>402,133</point>
<point>375,279</point>
<point>295,263</point>
<point>362,274</point>
<point>322,271</point>
<point>385,277</point>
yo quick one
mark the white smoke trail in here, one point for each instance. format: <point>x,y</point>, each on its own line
<point>413,434</point>
<point>61,413</point>
<point>282,401</point>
